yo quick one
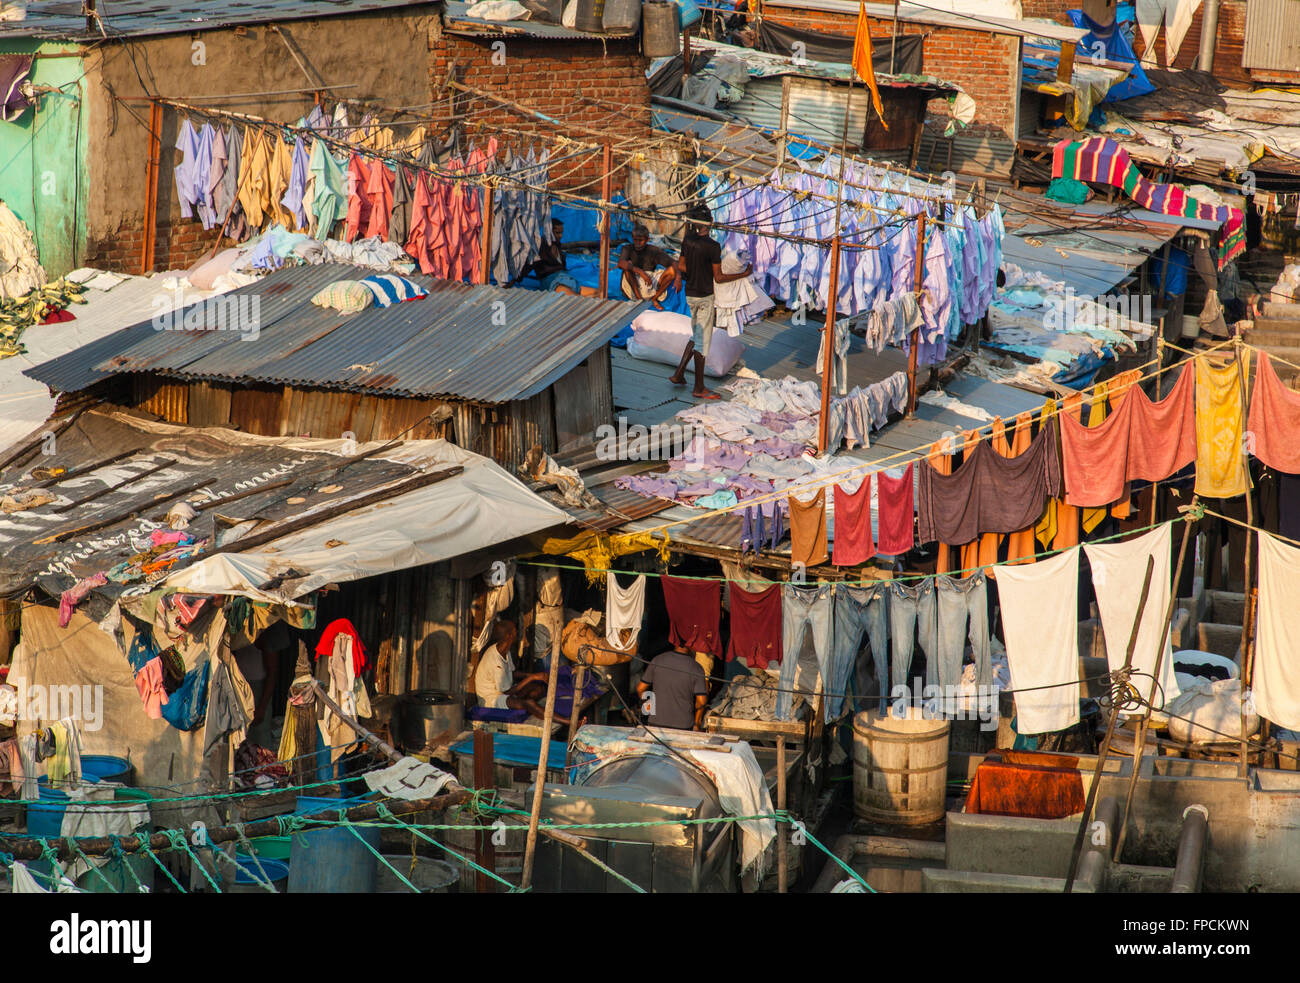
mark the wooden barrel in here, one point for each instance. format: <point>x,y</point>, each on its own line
<point>900,768</point>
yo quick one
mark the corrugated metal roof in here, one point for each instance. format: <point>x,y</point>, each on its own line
<point>918,13</point>
<point>64,19</point>
<point>479,343</point>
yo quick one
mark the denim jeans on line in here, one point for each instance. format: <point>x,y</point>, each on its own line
<point>912,609</point>
<point>804,609</point>
<point>859,611</point>
<point>963,603</point>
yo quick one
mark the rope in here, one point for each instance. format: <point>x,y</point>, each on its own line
<point>148,851</point>
<point>178,839</point>
<point>379,856</point>
<point>415,830</point>
<point>115,847</point>
<point>251,852</point>
<point>94,868</point>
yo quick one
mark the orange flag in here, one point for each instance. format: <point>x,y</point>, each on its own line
<point>862,61</point>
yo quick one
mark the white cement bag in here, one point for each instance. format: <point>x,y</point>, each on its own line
<point>1210,711</point>
<point>661,336</point>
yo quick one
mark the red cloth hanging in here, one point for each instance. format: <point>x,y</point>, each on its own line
<point>342,626</point>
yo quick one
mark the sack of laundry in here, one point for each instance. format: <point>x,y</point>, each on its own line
<point>661,336</point>
<point>1209,712</point>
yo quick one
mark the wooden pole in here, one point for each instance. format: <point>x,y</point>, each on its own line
<point>535,813</point>
<point>828,329</point>
<point>784,136</point>
<point>579,681</point>
<point>1100,770</point>
<point>1248,621</point>
<point>485,236</point>
<point>485,852</point>
<point>151,186</point>
<point>828,341</point>
<point>606,192</point>
<point>1141,736</point>
<point>893,41</point>
<point>918,280</point>
<point>782,874</point>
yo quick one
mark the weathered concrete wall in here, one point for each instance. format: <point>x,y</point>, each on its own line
<point>382,58</point>
<point>43,176</point>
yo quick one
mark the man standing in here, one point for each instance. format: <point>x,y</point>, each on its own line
<point>700,264</point>
<point>678,690</point>
<point>648,272</point>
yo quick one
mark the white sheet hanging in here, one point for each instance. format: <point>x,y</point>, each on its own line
<point>1040,623</point>
<point>1277,639</point>
<point>623,609</point>
<point>1118,570</point>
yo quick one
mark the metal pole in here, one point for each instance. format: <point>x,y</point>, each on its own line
<point>1162,640</point>
<point>534,815</point>
<point>1110,732</point>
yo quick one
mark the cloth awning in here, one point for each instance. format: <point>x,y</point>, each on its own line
<point>481,507</point>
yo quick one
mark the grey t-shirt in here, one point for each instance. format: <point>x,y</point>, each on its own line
<point>675,679</point>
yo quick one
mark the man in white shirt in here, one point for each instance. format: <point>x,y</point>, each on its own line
<point>498,685</point>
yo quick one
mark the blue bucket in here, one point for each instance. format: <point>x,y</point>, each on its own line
<point>332,860</point>
<point>106,768</point>
<point>248,878</point>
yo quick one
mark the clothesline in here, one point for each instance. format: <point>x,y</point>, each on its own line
<point>868,468</point>
<point>865,582</point>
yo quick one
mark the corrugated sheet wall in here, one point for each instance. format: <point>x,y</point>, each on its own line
<point>407,623</point>
<point>1272,35</point>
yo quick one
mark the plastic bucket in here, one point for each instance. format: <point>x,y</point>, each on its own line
<point>272,847</point>
<point>248,879</point>
<point>45,815</point>
<point>900,768</point>
<point>107,768</point>
<point>332,860</point>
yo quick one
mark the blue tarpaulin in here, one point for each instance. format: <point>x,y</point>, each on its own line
<point>1115,45</point>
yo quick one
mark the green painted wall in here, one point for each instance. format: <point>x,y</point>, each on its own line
<point>43,157</point>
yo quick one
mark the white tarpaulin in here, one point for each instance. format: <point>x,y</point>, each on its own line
<point>481,507</point>
<point>113,302</point>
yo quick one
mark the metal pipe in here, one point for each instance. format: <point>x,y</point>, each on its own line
<point>1209,35</point>
<point>1190,865</point>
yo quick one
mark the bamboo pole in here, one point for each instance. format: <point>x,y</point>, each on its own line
<point>1139,741</point>
<point>782,848</point>
<point>1110,733</point>
<point>917,281</point>
<point>535,813</point>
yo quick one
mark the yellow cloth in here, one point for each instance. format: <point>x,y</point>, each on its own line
<point>1219,424</point>
<point>597,550</point>
<point>60,766</point>
<point>281,172</point>
<point>1045,531</point>
<point>862,62</point>
<point>253,191</point>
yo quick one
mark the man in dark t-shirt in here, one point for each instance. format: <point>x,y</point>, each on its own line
<point>700,265</point>
<point>648,272</point>
<point>677,688</point>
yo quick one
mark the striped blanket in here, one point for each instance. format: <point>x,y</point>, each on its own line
<point>1103,161</point>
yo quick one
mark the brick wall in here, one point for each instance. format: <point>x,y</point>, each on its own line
<point>986,66</point>
<point>551,76</point>
<point>177,245</point>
